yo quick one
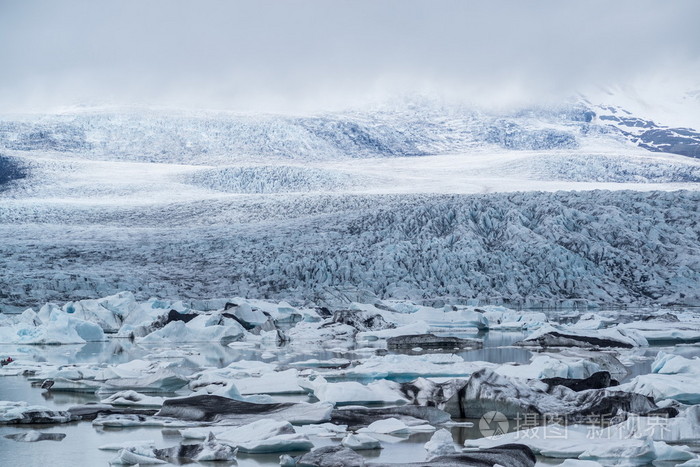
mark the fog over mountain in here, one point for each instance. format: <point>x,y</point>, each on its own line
<point>300,55</point>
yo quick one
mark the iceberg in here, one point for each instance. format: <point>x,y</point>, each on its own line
<point>58,329</point>
<point>394,426</point>
<point>133,398</point>
<point>162,381</point>
<point>277,382</point>
<point>217,409</point>
<point>196,330</point>
<point>351,392</point>
<point>248,377</point>
<point>357,417</point>
<point>412,329</point>
<point>440,444</point>
<point>209,450</point>
<point>551,366</point>
<point>148,444</point>
<point>684,428</point>
<point>360,442</point>
<point>279,443</point>
<point>505,319</point>
<point>136,456</point>
<point>616,337</point>
<point>22,413</point>
<point>407,367</point>
<point>587,442</point>
<point>261,436</point>
<point>667,329</point>
<point>672,377</point>
<point>108,313</point>
<point>34,436</point>
<point>487,391</point>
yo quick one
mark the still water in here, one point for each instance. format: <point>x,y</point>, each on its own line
<point>80,446</point>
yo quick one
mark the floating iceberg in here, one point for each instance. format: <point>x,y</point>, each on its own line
<point>351,392</point>
<point>616,337</point>
<point>197,330</point>
<point>214,409</point>
<point>407,367</point>
<point>588,443</point>
<point>59,328</point>
<point>109,312</point>
<point>487,391</point>
<point>209,450</point>
<point>667,328</point>
<point>23,413</point>
<point>360,442</point>
<point>672,377</point>
<point>133,398</point>
<point>440,444</point>
<point>394,426</point>
<point>551,366</point>
<point>34,436</point>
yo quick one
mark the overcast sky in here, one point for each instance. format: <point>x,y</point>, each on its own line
<point>281,55</point>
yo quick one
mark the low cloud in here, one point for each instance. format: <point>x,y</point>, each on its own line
<point>295,55</point>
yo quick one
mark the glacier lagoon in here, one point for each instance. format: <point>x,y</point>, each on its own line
<point>555,248</point>
<point>361,356</point>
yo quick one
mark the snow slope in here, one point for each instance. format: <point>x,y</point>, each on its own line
<point>415,200</point>
<point>402,128</point>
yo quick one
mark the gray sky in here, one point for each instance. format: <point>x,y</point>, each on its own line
<point>290,55</point>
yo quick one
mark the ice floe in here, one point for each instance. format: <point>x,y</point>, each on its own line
<point>214,409</point>
<point>616,337</point>
<point>551,366</point>
<point>22,413</point>
<point>58,328</point>
<point>360,442</point>
<point>34,436</point>
<point>261,436</point>
<point>394,426</point>
<point>667,328</point>
<point>210,450</point>
<point>672,377</point>
<point>440,444</point>
<point>133,398</point>
<point>352,392</point>
<point>588,443</point>
<point>406,367</point>
<point>487,391</point>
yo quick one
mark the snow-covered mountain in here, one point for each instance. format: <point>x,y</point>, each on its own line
<point>408,129</point>
<point>226,138</point>
<point>650,135</point>
<point>418,200</point>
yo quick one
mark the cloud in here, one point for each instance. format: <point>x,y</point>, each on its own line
<point>271,55</point>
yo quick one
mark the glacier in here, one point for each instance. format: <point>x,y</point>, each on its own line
<point>229,277</point>
<point>412,199</point>
<point>520,249</point>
